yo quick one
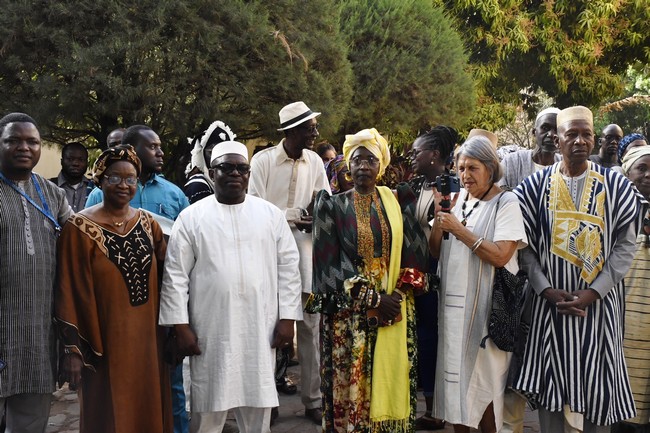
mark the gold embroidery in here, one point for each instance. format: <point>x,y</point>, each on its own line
<point>375,268</point>
<point>576,235</point>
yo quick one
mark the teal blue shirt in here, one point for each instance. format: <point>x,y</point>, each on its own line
<point>157,195</point>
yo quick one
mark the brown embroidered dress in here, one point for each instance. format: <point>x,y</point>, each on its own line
<point>107,303</point>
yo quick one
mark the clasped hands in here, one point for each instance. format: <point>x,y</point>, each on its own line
<point>571,304</point>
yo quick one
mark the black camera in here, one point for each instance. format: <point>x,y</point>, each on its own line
<point>446,184</point>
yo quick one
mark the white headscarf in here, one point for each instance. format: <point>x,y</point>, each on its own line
<point>632,156</point>
<point>224,133</point>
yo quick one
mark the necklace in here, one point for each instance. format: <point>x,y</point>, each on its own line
<point>464,221</point>
<point>119,224</point>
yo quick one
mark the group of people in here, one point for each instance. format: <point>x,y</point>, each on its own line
<point>389,291</point>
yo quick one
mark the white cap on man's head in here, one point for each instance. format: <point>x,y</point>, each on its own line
<point>294,114</point>
<point>494,140</point>
<point>575,113</point>
<point>229,147</point>
<point>544,112</point>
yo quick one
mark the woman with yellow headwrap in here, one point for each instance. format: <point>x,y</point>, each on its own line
<point>364,279</point>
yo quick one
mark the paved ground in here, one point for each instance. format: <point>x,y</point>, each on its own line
<point>64,417</point>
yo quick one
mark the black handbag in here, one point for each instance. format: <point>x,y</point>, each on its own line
<point>507,301</point>
<point>505,315</point>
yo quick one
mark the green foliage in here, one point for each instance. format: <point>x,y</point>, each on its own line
<point>574,50</point>
<point>632,113</point>
<point>409,66</point>
<point>82,68</point>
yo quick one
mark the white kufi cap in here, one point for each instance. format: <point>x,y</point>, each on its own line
<point>544,112</point>
<point>575,113</point>
<point>229,147</point>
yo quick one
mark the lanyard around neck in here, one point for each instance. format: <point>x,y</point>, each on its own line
<point>45,210</point>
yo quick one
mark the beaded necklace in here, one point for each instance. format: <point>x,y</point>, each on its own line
<point>465,217</point>
<point>365,237</point>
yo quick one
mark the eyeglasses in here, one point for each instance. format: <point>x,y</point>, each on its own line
<point>116,180</point>
<point>229,168</point>
<point>370,160</point>
<point>311,128</point>
<point>413,153</point>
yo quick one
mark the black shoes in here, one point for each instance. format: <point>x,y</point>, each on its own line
<point>315,415</point>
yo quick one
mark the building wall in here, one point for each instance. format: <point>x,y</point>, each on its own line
<point>50,163</point>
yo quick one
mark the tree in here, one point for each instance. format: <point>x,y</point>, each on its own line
<point>81,68</point>
<point>574,50</point>
<point>409,66</point>
<point>632,113</point>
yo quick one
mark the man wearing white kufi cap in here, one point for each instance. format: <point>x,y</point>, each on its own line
<point>289,175</point>
<point>231,289</point>
<point>581,220</point>
<point>517,166</point>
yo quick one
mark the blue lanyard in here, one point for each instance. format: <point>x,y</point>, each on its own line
<point>45,210</point>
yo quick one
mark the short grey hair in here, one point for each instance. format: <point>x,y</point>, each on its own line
<point>481,149</point>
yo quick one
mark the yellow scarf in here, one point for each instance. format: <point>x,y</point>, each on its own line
<point>390,395</point>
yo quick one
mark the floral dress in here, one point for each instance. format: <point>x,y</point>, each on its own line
<point>352,239</point>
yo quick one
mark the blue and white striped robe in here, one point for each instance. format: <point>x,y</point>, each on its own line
<point>571,360</point>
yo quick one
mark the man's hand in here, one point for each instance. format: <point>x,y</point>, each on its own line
<point>283,334</point>
<point>574,303</point>
<point>71,370</point>
<point>577,306</point>
<point>187,343</point>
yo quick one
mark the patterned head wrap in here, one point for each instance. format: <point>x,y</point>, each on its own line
<point>122,152</point>
<point>371,140</point>
<point>632,156</point>
<point>334,167</point>
<point>625,142</point>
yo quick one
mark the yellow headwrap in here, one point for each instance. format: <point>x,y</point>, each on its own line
<point>371,140</point>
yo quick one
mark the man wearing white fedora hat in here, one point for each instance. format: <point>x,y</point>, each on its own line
<point>289,175</point>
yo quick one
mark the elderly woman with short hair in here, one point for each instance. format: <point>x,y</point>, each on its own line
<point>485,229</point>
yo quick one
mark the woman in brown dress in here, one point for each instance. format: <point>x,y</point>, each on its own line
<point>107,301</point>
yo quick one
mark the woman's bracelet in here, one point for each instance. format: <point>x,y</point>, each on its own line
<point>368,298</point>
<point>362,292</point>
<point>477,244</point>
<point>369,303</point>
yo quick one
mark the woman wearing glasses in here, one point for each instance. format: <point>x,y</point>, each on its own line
<point>368,255</point>
<point>107,300</point>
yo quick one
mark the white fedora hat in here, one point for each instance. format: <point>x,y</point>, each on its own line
<point>294,114</point>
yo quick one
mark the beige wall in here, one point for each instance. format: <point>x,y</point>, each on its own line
<point>50,163</point>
